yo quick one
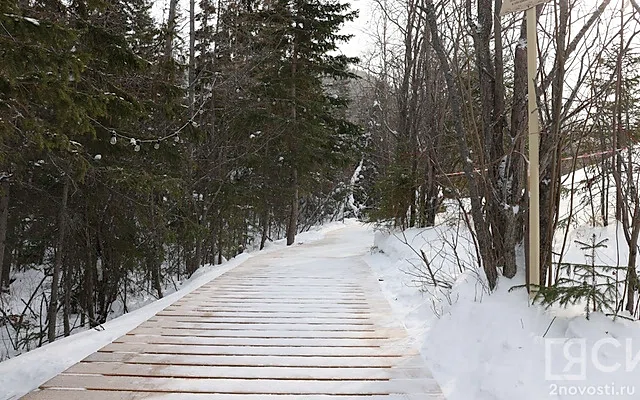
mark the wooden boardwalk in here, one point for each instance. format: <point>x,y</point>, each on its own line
<point>265,330</point>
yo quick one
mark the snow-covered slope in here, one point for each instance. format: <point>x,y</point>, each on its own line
<point>498,347</point>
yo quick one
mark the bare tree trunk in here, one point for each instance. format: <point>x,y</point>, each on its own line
<point>155,277</point>
<point>621,209</point>
<point>220,243</point>
<point>632,275</point>
<point>89,277</point>
<point>66,309</point>
<point>192,55</point>
<point>5,187</point>
<point>266,221</point>
<point>171,28</point>
<point>292,227</point>
<point>57,266</point>
<point>551,150</point>
<point>455,99</point>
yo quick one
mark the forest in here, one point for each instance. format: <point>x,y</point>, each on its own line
<point>136,149</point>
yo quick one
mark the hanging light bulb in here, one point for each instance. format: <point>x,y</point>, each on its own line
<point>156,145</point>
<point>137,148</point>
<point>176,139</point>
<point>113,140</point>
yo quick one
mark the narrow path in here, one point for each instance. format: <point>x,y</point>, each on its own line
<point>306,323</point>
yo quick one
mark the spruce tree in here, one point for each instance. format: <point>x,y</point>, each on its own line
<point>309,142</point>
<point>594,285</point>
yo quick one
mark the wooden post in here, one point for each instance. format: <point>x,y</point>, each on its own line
<point>534,149</point>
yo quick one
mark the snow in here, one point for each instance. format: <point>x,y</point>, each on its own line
<point>32,20</point>
<point>494,347</point>
<point>18,17</point>
<point>497,346</point>
<point>522,43</point>
<point>351,202</point>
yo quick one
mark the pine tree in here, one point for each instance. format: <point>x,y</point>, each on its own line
<point>309,141</point>
<point>594,285</point>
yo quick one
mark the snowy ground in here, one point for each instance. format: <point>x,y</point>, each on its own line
<point>494,347</point>
<point>479,346</point>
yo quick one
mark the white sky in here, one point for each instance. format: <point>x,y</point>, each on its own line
<point>355,48</point>
<point>360,43</point>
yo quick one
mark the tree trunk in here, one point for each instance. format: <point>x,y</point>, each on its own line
<point>171,27</point>
<point>198,255</point>
<point>292,227</point>
<point>57,266</point>
<point>621,209</point>
<point>154,258</point>
<point>155,276</point>
<point>5,186</point>
<point>632,275</point>
<point>455,99</point>
<point>519,131</point>
<point>551,150</point>
<point>66,309</point>
<point>220,242</point>
<point>89,278</point>
<point>192,55</point>
<point>266,221</point>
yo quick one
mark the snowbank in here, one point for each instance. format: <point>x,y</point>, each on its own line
<point>498,347</point>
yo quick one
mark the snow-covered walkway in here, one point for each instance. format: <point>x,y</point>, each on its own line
<point>308,322</point>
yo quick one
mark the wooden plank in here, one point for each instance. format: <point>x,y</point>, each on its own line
<point>320,304</point>
<point>190,349</point>
<point>244,317</point>
<point>330,299</point>
<point>244,341</point>
<point>279,287</point>
<point>306,296</point>
<point>239,386</point>
<point>289,327</point>
<point>61,394</point>
<point>293,281</point>
<point>203,319</point>
<point>258,361</point>
<point>281,307</point>
<point>274,333</point>
<point>255,312</point>
<point>325,303</point>
<point>275,290</point>
<point>286,373</point>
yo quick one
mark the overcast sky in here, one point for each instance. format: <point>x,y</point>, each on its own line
<point>356,47</point>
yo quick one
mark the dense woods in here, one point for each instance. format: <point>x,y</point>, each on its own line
<point>129,158</point>
<point>132,153</point>
<point>449,84</point>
